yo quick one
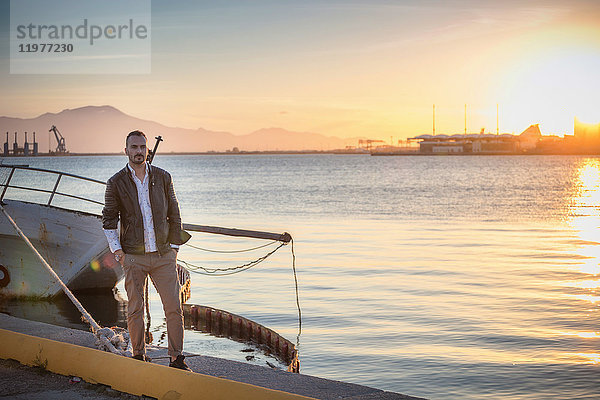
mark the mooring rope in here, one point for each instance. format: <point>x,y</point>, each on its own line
<point>297,298</point>
<point>198,269</point>
<point>117,340</point>
<point>147,334</point>
<point>231,251</point>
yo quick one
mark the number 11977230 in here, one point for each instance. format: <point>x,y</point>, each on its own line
<point>46,48</point>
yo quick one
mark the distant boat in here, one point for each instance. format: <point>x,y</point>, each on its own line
<point>71,241</point>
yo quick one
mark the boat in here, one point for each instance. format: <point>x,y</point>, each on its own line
<point>70,239</point>
<point>63,227</point>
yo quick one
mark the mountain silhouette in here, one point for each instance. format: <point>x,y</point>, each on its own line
<point>102,129</point>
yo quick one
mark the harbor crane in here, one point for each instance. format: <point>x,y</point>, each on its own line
<point>61,148</point>
<point>367,144</point>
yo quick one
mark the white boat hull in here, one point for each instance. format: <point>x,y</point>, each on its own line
<point>72,242</point>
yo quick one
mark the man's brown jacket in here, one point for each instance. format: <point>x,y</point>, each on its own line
<point>121,202</point>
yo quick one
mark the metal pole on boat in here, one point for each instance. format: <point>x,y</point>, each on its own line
<point>86,315</point>
<point>282,237</point>
<point>152,153</point>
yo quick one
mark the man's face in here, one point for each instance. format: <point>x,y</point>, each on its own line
<point>136,149</point>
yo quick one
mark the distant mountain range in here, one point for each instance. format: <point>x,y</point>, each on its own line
<point>102,129</point>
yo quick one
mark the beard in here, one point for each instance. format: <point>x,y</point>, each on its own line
<point>137,159</point>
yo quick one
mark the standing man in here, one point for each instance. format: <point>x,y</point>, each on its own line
<point>141,196</point>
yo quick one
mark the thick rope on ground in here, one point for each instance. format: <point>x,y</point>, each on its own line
<point>115,340</point>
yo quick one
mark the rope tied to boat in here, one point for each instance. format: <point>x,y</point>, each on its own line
<point>231,251</point>
<point>185,267</point>
<point>198,269</point>
<point>115,339</point>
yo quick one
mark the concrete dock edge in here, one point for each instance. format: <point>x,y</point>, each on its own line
<point>125,374</point>
<point>215,377</point>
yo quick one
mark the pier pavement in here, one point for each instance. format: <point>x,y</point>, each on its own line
<point>275,383</point>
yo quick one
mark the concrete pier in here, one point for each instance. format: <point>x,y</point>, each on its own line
<point>20,382</point>
<point>223,376</point>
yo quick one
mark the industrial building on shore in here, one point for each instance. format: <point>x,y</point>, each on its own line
<point>482,143</point>
<point>585,140</point>
<point>31,148</point>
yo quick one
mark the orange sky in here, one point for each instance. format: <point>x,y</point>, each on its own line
<point>347,68</point>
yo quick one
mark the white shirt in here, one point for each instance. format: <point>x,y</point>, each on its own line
<point>144,201</point>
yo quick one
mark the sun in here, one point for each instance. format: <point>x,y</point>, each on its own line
<point>552,87</point>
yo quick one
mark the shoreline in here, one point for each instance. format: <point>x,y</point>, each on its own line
<point>315,152</point>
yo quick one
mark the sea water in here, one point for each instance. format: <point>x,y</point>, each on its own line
<point>446,277</point>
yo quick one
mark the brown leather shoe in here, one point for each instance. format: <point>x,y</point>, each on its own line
<point>142,357</point>
<point>180,363</point>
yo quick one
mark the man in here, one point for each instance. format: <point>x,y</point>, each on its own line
<point>141,196</point>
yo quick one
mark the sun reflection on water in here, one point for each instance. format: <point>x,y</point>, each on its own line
<point>585,220</point>
<point>588,184</point>
<point>588,297</point>
<point>588,358</point>
<point>589,284</point>
<point>588,335</point>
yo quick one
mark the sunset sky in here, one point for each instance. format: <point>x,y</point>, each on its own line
<point>346,68</point>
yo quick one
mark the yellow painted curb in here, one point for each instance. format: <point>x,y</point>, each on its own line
<point>125,374</point>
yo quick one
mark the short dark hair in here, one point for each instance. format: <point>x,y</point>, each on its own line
<point>135,133</point>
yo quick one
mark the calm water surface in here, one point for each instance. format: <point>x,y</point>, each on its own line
<point>441,277</point>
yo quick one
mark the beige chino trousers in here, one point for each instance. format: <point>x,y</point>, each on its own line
<point>163,272</point>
